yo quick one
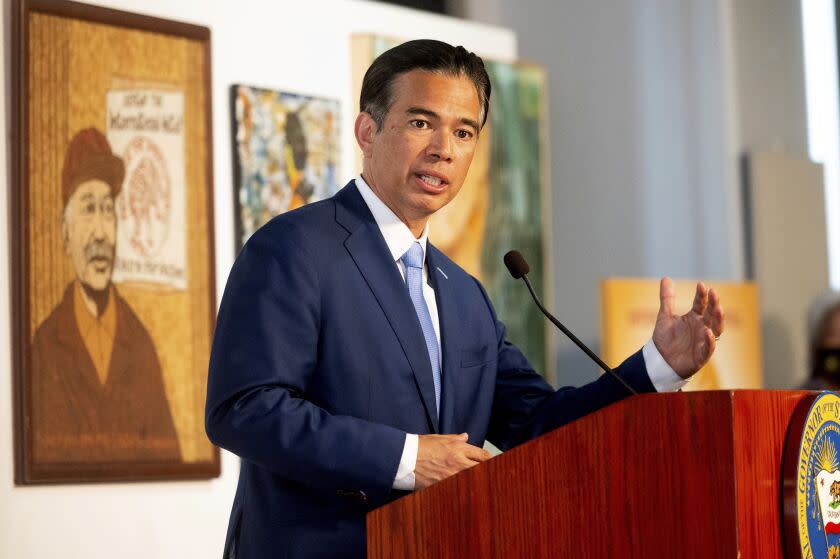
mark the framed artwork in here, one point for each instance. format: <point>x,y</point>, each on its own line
<point>114,295</point>
<point>285,153</point>
<point>501,204</point>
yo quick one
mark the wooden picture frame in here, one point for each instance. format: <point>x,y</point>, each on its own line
<point>113,254</point>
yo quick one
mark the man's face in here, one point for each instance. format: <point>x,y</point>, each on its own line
<point>90,230</point>
<point>418,161</point>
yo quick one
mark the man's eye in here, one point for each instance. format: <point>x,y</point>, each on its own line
<point>421,124</point>
<point>463,134</point>
<point>89,208</point>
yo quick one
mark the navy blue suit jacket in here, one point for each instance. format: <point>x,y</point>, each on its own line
<point>319,369</point>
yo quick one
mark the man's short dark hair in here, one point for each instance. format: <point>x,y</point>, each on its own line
<point>423,54</point>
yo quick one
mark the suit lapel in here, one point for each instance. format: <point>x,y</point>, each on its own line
<point>447,315</point>
<point>373,259</point>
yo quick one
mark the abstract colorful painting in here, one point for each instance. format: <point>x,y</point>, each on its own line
<point>286,153</point>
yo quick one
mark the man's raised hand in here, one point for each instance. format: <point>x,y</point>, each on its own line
<point>687,342</point>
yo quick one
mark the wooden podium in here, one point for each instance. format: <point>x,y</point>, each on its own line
<point>693,474</point>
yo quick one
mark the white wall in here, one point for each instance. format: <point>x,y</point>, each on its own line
<point>652,104</point>
<point>769,81</point>
<point>769,75</point>
<point>297,46</point>
<point>644,174</point>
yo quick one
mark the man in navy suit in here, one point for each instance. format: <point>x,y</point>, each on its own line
<point>353,361</point>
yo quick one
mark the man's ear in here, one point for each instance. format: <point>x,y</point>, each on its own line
<point>365,131</point>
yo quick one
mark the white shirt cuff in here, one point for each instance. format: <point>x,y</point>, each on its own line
<point>408,461</point>
<point>662,376</point>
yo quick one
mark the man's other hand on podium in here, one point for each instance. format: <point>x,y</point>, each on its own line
<point>441,456</point>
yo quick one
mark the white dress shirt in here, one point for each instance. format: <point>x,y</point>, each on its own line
<point>399,239</point>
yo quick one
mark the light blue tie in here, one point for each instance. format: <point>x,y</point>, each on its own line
<point>413,260</point>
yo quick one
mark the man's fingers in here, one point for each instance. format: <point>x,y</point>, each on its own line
<point>701,299</point>
<point>441,456</point>
<point>477,454</point>
<point>666,296</point>
<point>449,437</point>
<point>706,347</point>
<point>714,317</point>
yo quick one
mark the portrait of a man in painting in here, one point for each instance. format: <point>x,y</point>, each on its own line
<point>97,388</point>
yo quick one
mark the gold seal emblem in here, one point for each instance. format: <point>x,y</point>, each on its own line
<point>818,480</point>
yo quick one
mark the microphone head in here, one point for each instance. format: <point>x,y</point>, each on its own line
<point>516,264</point>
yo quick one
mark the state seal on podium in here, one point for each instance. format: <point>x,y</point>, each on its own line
<point>817,488</point>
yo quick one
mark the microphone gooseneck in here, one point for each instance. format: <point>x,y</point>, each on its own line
<point>518,268</point>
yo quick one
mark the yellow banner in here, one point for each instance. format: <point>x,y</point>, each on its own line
<point>628,314</point>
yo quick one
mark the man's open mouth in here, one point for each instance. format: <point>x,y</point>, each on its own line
<point>432,183</point>
<point>431,180</point>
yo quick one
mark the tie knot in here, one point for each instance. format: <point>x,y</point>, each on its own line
<point>413,257</point>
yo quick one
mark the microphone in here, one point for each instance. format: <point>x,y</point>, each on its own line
<point>518,268</point>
